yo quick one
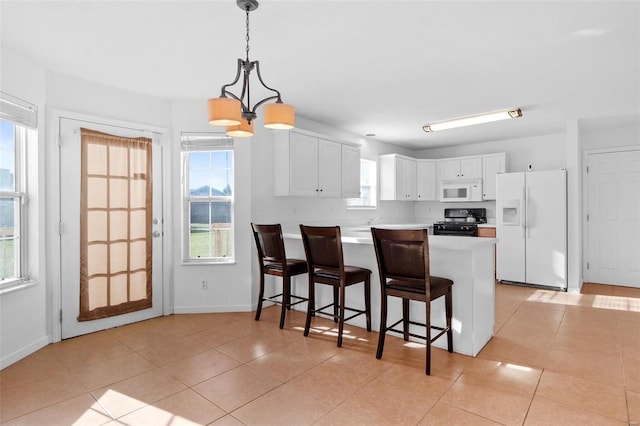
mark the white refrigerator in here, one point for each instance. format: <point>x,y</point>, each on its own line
<point>531,222</point>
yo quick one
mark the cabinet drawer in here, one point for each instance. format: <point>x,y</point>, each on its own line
<point>486,232</point>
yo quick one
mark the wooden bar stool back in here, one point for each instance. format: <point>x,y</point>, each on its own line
<point>403,264</point>
<point>273,261</point>
<point>325,262</point>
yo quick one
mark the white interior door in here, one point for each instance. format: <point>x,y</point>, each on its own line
<point>613,226</point>
<point>70,236</point>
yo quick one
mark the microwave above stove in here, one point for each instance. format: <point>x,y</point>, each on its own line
<point>461,190</point>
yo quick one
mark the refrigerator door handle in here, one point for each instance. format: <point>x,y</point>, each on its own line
<point>523,216</point>
<point>526,212</point>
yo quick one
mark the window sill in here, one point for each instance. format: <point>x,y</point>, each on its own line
<point>205,263</point>
<point>361,207</point>
<point>16,285</point>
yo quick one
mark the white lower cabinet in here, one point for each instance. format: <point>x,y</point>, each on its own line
<point>306,165</point>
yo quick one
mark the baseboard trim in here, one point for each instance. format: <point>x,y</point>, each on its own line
<point>212,309</point>
<point>24,352</point>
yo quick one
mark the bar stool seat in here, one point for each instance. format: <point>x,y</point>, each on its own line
<point>273,261</point>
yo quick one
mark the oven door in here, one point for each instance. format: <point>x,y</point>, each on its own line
<point>466,231</point>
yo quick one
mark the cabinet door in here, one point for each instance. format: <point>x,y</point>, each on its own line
<point>490,167</point>
<point>388,177</point>
<point>329,168</point>
<point>303,165</point>
<point>350,172</point>
<point>426,180</point>
<point>410,179</point>
<point>449,169</point>
<point>471,168</point>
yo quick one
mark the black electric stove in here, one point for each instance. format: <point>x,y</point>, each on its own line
<point>460,222</point>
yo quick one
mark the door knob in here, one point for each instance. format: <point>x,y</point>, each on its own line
<point>156,234</point>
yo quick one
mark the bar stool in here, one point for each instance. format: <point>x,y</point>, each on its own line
<point>273,261</point>
<point>403,263</point>
<point>325,262</point>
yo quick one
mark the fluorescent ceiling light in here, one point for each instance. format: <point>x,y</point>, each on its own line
<point>470,120</point>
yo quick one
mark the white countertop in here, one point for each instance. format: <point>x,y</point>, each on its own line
<point>362,235</point>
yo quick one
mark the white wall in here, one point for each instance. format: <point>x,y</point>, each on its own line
<point>609,132</point>
<point>546,152</point>
<point>23,313</point>
<point>229,285</point>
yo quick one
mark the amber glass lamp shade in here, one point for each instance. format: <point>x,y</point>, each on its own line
<point>224,112</point>
<point>279,116</point>
<point>242,130</point>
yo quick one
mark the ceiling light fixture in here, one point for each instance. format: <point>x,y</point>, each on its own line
<point>236,112</point>
<point>470,120</point>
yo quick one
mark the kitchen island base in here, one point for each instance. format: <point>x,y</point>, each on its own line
<point>468,261</point>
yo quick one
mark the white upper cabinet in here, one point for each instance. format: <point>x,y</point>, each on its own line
<point>350,171</point>
<point>306,165</point>
<point>492,165</point>
<point>426,180</point>
<point>460,168</point>
<point>329,169</point>
<point>303,165</point>
<point>408,179</point>
<point>398,178</point>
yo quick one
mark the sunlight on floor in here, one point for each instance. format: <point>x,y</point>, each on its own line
<point>617,303</point>
<point>152,415</point>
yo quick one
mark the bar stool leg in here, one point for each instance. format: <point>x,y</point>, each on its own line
<point>311,305</point>
<point>405,319</point>
<point>260,296</point>
<point>383,325</point>
<point>428,336</point>
<point>448,301</point>
<point>286,296</point>
<point>341,315</point>
<point>367,301</point>
<point>336,303</point>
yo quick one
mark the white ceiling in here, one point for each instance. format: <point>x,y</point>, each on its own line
<point>383,67</point>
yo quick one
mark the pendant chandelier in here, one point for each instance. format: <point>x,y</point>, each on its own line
<point>236,112</point>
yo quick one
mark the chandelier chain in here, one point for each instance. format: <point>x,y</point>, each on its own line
<point>247,48</point>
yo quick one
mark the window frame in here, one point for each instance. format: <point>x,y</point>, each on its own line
<point>204,142</point>
<point>373,167</point>
<point>21,138</point>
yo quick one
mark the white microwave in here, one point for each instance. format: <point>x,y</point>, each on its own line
<point>461,190</point>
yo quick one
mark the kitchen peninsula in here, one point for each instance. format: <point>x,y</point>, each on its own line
<point>468,261</point>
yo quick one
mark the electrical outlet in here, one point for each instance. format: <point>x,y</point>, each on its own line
<point>204,284</point>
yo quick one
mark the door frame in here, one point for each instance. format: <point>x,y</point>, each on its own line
<point>585,201</point>
<point>52,220</point>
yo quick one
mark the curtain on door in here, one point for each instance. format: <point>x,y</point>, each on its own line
<point>115,219</point>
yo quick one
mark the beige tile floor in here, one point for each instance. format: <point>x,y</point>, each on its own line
<point>555,359</point>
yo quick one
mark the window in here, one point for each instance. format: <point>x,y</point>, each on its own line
<point>17,118</point>
<point>208,198</point>
<point>368,181</point>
